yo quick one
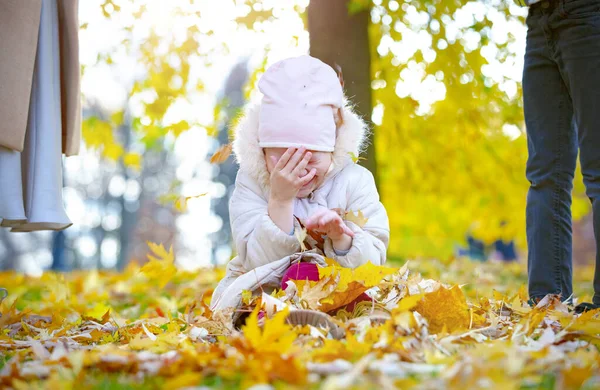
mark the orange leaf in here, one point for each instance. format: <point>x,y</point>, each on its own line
<point>341,298</point>
<point>222,154</point>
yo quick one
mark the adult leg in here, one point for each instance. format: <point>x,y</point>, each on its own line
<point>578,34</point>
<point>551,163</point>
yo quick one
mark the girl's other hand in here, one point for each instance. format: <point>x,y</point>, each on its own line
<point>330,223</point>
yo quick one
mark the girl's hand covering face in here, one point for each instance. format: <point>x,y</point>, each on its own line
<point>289,174</point>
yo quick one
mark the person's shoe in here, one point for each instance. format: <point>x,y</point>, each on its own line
<point>586,306</point>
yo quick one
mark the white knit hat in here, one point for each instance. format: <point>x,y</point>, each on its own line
<point>301,95</point>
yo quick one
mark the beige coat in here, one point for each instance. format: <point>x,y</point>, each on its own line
<point>19,25</point>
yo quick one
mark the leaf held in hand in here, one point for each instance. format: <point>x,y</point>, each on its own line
<point>301,236</point>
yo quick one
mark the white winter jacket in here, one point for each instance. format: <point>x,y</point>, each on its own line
<point>265,252</point>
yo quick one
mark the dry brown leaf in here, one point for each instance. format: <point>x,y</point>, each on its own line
<point>300,235</point>
<point>311,293</point>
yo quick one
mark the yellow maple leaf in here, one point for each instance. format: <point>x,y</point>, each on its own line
<point>276,336</point>
<point>407,303</point>
<point>350,349</point>
<point>312,292</point>
<point>160,269</point>
<point>273,367</point>
<point>222,154</point>
<point>587,323</point>
<point>246,296</point>
<point>358,218</point>
<point>445,308</point>
<point>339,286</point>
<point>99,310</point>
<point>533,320</point>
<point>371,274</point>
<point>368,274</point>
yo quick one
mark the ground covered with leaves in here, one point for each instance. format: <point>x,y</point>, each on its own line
<point>444,325</point>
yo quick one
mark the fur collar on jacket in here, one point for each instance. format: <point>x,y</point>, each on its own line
<point>351,138</point>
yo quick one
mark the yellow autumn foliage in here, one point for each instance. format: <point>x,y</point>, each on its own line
<point>117,329</point>
<point>450,134</point>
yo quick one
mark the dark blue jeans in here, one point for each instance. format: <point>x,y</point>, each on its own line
<point>561,92</point>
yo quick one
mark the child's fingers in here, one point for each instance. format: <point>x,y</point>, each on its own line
<point>345,229</point>
<point>294,160</point>
<point>312,221</point>
<point>302,165</point>
<point>308,177</point>
<point>328,222</point>
<point>326,219</point>
<point>285,157</point>
<point>313,218</point>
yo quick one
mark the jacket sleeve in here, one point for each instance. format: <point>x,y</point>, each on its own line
<point>371,241</point>
<point>258,240</point>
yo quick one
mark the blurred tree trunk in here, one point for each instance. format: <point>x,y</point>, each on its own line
<point>59,258</point>
<point>128,218</point>
<point>338,37</point>
<point>8,260</point>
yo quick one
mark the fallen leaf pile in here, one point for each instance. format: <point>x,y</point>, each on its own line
<point>455,324</point>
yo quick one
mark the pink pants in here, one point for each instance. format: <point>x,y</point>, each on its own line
<point>309,271</point>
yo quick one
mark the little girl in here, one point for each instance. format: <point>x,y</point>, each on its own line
<point>295,152</point>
